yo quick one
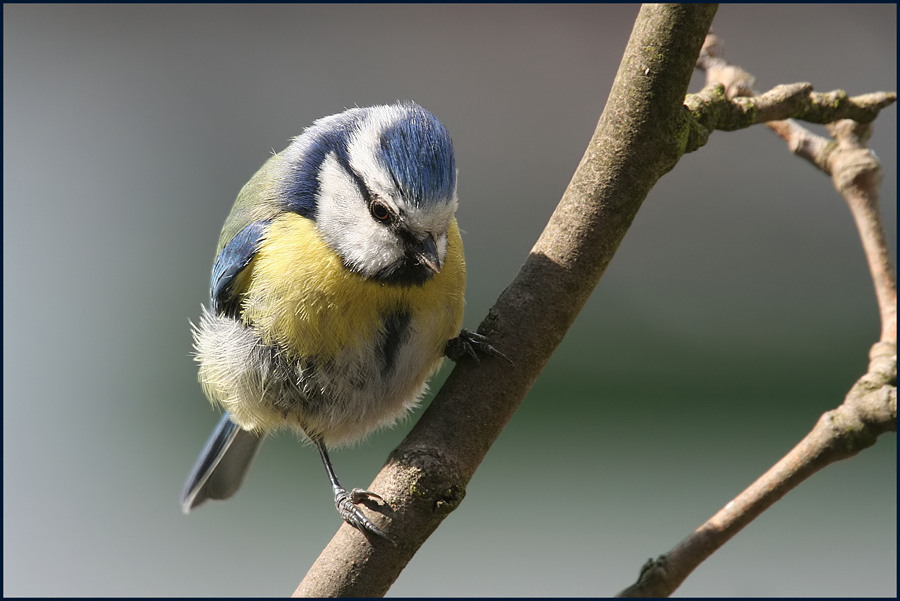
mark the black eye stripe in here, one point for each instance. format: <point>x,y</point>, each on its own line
<point>357,179</point>
<point>369,197</point>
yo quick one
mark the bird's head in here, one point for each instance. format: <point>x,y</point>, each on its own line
<point>380,183</point>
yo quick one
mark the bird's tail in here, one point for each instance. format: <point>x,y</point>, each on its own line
<point>222,465</point>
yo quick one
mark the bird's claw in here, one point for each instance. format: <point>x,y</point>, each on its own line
<point>358,495</point>
<point>345,502</point>
<point>471,344</point>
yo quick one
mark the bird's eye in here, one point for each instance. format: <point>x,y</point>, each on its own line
<point>380,211</point>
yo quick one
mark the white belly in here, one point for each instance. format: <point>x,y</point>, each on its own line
<point>340,400</point>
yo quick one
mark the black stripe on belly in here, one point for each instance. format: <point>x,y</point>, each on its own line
<point>395,334</point>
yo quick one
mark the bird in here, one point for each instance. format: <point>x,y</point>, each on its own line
<point>336,292</point>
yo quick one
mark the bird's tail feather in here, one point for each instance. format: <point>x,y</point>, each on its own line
<point>222,465</point>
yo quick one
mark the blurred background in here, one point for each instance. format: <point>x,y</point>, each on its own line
<point>737,310</point>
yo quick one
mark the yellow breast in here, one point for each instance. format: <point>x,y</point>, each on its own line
<point>303,299</point>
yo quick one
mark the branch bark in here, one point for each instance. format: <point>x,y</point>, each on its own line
<point>728,102</point>
<point>870,407</point>
<point>641,135</point>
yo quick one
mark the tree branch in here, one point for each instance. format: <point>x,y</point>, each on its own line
<point>728,101</point>
<point>870,408</point>
<point>642,133</point>
<point>714,109</point>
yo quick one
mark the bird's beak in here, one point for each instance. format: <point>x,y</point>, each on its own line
<point>427,254</point>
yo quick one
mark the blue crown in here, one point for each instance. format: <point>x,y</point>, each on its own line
<point>418,152</point>
<point>416,149</point>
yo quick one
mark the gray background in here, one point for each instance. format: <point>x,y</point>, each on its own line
<point>737,309</point>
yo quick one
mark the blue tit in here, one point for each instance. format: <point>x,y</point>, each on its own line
<point>337,290</point>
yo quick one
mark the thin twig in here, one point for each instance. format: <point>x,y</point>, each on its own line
<point>870,408</point>
<point>856,173</point>
<point>728,102</point>
<point>715,109</point>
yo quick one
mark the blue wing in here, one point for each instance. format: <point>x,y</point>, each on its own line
<point>232,259</point>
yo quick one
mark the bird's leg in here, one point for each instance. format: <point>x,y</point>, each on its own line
<point>345,502</point>
<point>471,344</point>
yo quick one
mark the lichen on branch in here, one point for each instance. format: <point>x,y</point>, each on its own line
<point>729,103</point>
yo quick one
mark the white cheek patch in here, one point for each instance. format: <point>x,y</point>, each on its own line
<point>343,220</point>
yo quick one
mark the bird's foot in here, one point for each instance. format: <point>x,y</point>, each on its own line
<point>346,504</point>
<point>471,344</point>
